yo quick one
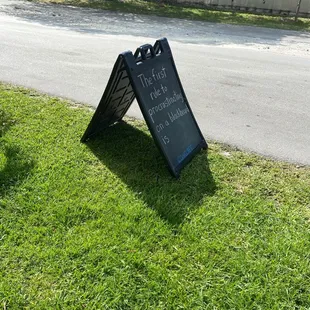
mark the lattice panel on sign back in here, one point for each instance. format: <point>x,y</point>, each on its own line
<point>120,97</point>
<point>115,102</point>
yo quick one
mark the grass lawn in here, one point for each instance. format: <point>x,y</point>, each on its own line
<point>104,225</point>
<point>190,12</point>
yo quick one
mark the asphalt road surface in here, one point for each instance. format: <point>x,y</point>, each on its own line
<point>248,87</point>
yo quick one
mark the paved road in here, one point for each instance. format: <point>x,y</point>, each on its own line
<point>248,86</point>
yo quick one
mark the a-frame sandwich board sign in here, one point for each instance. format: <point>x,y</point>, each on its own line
<point>150,75</point>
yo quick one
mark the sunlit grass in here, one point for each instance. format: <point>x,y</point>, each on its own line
<point>194,13</point>
<point>104,226</point>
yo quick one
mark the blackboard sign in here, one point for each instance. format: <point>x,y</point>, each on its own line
<point>150,75</point>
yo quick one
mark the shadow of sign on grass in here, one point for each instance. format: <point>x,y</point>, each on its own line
<point>14,164</point>
<point>132,155</point>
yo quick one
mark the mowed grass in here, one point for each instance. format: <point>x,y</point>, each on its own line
<point>104,226</point>
<point>160,8</point>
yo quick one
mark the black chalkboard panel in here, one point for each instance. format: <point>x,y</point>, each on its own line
<point>163,103</point>
<point>150,75</point>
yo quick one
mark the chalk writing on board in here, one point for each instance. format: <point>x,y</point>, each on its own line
<point>147,81</point>
<point>155,83</point>
<point>177,114</point>
<point>165,104</point>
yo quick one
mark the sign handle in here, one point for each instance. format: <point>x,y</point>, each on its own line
<point>144,52</point>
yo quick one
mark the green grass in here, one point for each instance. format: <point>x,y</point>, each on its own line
<point>188,12</point>
<point>104,225</point>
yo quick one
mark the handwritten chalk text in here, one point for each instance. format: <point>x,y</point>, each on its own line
<point>155,76</point>
<point>165,104</point>
<point>177,114</point>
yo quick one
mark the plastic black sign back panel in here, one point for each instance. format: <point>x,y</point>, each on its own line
<point>115,102</point>
<point>164,104</point>
<point>150,75</point>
